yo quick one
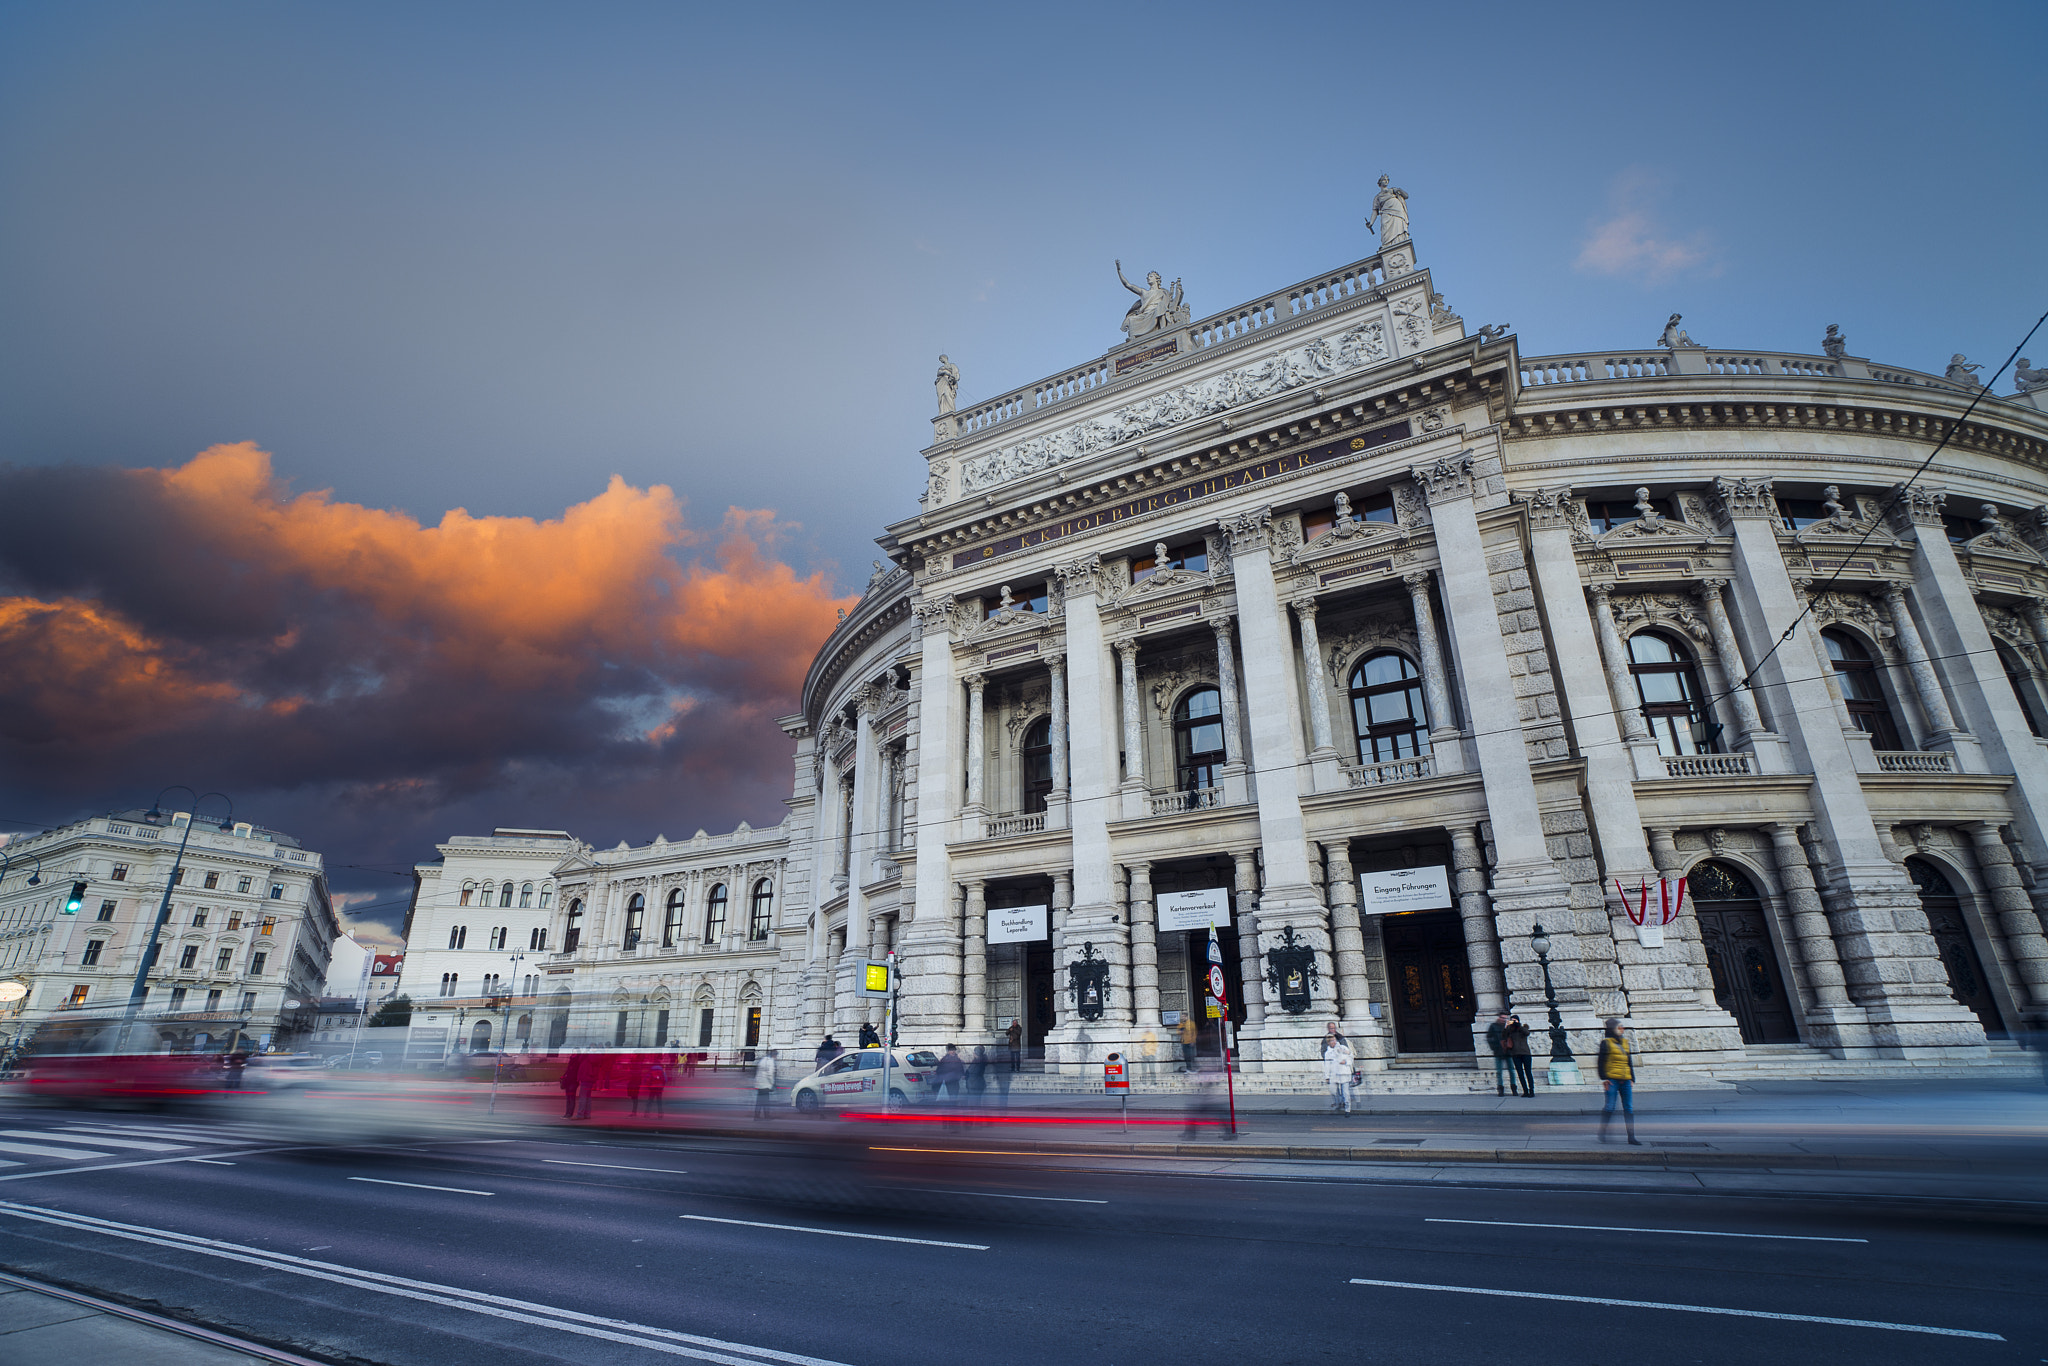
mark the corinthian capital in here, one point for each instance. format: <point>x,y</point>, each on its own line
<point>1917,505</point>
<point>933,614</point>
<point>1080,576</point>
<point>1250,531</point>
<point>1739,499</point>
<point>1548,509</point>
<point>1445,479</point>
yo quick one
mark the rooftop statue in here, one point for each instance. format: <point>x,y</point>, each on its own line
<point>1158,309</point>
<point>1834,343</point>
<point>948,384</point>
<point>1391,206</point>
<point>1494,331</point>
<point>1961,373</point>
<point>2028,378</point>
<point>1674,337</point>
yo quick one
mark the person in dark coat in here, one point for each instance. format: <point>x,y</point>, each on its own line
<point>1515,1035</point>
<point>1014,1035</point>
<point>870,1037</point>
<point>587,1082</point>
<point>828,1050</point>
<point>1497,1044</point>
<point>572,1075</point>
<point>946,1078</point>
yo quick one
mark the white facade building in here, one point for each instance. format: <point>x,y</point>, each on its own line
<point>244,953</point>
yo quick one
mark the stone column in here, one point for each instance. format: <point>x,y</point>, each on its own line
<point>1226,684</point>
<point>1436,691</point>
<point>1802,594</point>
<point>974,963</point>
<point>864,825</point>
<point>1318,682</point>
<point>1482,945</point>
<point>977,741</point>
<point>1614,655</point>
<point>1250,969</point>
<point>1133,735</point>
<point>929,950</point>
<point>1144,922</point>
<point>1062,900</point>
<point>2024,944</point>
<point>1347,949</point>
<point>1933,702</point>
<point>1747,723</point>
<point>2037,621</point>
<point>1829,1006</point>
<point>1056,800</point>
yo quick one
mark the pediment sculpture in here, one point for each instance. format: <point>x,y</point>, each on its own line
<point>1999,537</point>
<point>1350,532</point>
<point>1008,614</point>
<point>1650,526</point>
<point>1161,580</point>
<point>1844,522</point>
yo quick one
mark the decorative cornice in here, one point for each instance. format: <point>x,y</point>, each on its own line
<point>1445,479</point>
<point>1742,499</point>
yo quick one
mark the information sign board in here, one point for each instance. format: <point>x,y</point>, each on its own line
<point>1019,924</point>
<point>1194,910</point>
<point>1405,889</point>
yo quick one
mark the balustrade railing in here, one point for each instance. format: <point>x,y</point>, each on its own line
<point>1031,824</point>
<point>1915,761</point>
<point>1390,771</point>
<point>1194,799</point>
<point>1542,371</point>
<point>1707,765</point>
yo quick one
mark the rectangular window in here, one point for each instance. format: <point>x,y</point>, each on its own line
<point>1028,598</point>
<point>77,997</point>
<point>91,956</point>
<point>505,895</point>
<point>1800,513</point>
<point>120,872</point>
<point>753,1027</point>
<point>199,918</point>
<point>248,1001</point>
<point>177,877</point>
<point>1193,558</point>
<point>177,998</point>
<point>277,891</point>
<point>242,884</point>
<point>1605,516</point>
<point>619,1032</point>
<point>269,924</point>
<point>212,881</point>
<point>223,960</point>
<point>256,962</point>
<point>234,920</point>
<point>661,1029</point>
<point>213,999</point>
<point>188,957</point>
<point>106,910</point>
<point>704,1027</point>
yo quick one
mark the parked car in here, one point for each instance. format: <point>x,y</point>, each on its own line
<point>855,1079</point>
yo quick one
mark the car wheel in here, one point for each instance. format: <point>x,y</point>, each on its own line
<point>807,1100</point>
<point>896,1097</point>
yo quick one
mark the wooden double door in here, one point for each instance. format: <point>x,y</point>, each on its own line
<point>1952,937</point>
<point>1747,981</point>
<point>1428,981</point>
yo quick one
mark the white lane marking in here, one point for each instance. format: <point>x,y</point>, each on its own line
<point>475,1301</point>
<point>138,1162</point>
<point>98,1140</point>
<point>1062,1199</point>
<point>45,1150</point>
<point>838,1233</point>
<point>1688,1232</point>
<point>457,1190</point>
<point>210,1161</point>
<point>617,1166</point>
<point>1689,1309</point>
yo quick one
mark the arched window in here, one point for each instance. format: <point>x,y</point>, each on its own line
<point>759,913</point>
<point>1037,764</point>
<point>1856,673</point>
<point>714,914</point>
<point>547,894</point>
<point>468,891</point>
<point>505,895</point>
<point>636,915</point>
<point>2016,673</point>
<point>672,919</point>
<point>573,935</point>
<point>480,1037</point>
<point>498,936</point>
<point>522,1030</point>
<point>488,890</point>
<point>1387,709</point>
<point>1198,739</point>
<point>1668,687</point>
<point>458,936</point>
<point>526,894</point>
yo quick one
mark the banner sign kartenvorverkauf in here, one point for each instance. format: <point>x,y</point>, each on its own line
<point>1194,910</point>
<point>1019,924</point>
<point>1405,889</point>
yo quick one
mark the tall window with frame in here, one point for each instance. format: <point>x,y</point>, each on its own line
<point>1198,739</point>
<point>1194,558</point>
<point>636,916</point>
<point>505,895</point>
<point>525,894</point>
<point>498,936</point>
<point>2021,679</point>
<point>1862,693</point>
<point>761,911</point>
<point>458,936</point>
<point>572,933</point>
<point>672,919</point>
<point>714,914</point>
<point>1037,764</point>
<point>1668,691</point>
<point>1388,710</point>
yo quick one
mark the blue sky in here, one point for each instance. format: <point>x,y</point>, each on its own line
<point>488,256</point>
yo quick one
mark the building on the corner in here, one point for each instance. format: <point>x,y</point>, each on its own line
<point>242,958</point>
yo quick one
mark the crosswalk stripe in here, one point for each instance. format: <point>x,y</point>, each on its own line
<point>42,1150</point>
<point>97,1140</point>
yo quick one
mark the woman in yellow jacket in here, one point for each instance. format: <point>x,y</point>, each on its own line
<point>1620,1079</point>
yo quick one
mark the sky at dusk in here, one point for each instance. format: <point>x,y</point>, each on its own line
<point>418,419</point>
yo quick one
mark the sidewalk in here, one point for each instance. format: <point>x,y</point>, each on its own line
<point>43,1323</point>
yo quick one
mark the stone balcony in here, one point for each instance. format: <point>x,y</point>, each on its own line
<point>1915,761</point>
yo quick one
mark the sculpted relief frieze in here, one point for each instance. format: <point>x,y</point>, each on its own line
<point>1312,362</point>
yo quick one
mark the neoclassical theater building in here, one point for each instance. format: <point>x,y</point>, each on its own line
<point>1398,644</point>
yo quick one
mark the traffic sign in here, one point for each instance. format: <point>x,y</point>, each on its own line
<point>876,979</point>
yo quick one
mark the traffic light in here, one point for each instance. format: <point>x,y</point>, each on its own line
<point>76,899</point>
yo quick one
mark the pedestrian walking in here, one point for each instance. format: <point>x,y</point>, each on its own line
<point>634,1073</point>
<point>764,1084</point>
<point>1496,1042</point>
<point>571,1075</point>
<point>1516,1036</point>
<point>946,1078</point>
<point>828,1050</point>
<point>977,1076</point>
<point>656,1082</point>
<point>1188,1039</point>
<point>587,1081</point>
<point>1618,1075</point>
<point>1337,1060</point>
<point>1015,1034</point>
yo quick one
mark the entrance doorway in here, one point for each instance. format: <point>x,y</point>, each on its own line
<point>1429,981</point>
<point>1040,1005</point>
<point>1748,983</point>
<point>1952,937</point>
<point>1208,1031</point>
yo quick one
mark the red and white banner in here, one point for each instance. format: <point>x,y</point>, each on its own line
<point>1670,899</point>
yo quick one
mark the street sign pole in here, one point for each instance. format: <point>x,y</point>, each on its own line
<point>1222,997</point>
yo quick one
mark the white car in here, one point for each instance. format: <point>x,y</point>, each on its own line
<point>855,1079</point>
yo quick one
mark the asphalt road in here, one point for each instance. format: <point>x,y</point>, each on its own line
<point>621,1248</point>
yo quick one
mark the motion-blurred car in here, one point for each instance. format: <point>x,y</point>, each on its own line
<point>855,1079</point>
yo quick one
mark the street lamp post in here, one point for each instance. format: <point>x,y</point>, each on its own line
<point>505,1029</point>
<point>1564,1069</point>
<point>163,910</point>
